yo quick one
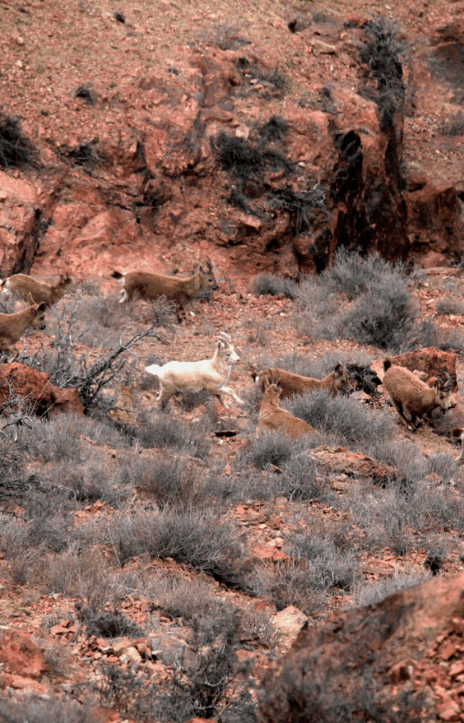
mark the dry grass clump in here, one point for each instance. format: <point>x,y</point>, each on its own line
<point>342,417</point>
<point>158,430</point>
<point>170,481</point>
<point>201,537</point>
<point>371,593</point>
<point>43,710</point>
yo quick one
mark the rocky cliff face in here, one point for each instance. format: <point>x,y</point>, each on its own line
<point>222,152</point>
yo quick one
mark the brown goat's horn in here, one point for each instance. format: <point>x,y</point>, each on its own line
<point>446,385</point>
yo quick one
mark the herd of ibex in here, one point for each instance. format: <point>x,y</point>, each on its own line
<point>412,397</point>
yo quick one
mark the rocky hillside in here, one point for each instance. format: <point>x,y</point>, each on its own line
<point>171,565</point>
<point>130,135</point>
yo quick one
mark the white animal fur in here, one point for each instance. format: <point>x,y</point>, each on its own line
<point>21,286</point>
<point>211,375</point>
<point>13,326</point>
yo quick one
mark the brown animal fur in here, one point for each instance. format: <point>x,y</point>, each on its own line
<point>272,417</point>
<point>335,382</point>
<point>180,291</point>
<point>21,286</point>
<point>13,326</point>
<point>410,394</point>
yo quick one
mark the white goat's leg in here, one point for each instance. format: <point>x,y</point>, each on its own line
<point>230,393</point>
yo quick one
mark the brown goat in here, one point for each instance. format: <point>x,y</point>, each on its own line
<point>13,326</point>
<point>180,291</point>
<point>335,382</point>
<point>272,417</point>
<point>21,286</point>
<point>409,394</point>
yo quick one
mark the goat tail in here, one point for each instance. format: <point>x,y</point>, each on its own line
<point>386,364</point>
<point>154,369</point>
<point>117,275</point>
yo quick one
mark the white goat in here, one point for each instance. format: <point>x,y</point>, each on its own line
<point>211,375</point>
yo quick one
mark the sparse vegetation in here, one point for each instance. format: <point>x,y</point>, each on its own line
<point>146,553</point>
<point>16,150</point>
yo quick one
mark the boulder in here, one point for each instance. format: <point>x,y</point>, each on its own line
<point>363,663</point>
<point>20,655</point>
<point>43,397</point>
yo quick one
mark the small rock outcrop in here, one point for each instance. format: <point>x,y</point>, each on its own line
<point>39,394</point>
<point>401,654</point>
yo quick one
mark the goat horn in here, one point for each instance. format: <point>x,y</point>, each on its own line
<point>447,384</point>
<point>224,336</point>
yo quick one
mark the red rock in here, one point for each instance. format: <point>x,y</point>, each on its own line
<point>448,710</point>
<point>43,397</point>
<point>27,685</point>
<point>401,671</point>
<point>456,669</point>
<point>20,655</point>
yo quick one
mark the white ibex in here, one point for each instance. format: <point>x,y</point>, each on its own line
<point>180,291</point>
<point>336,382</point>
<point>21,286</point>
<point>409,394</point>
<point>211,375</point>
<point>13,326</point>
<point>273,417</point>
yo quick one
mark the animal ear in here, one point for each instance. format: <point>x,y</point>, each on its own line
<point>278,386</point>
<point>338,369</point>
<point>41,307</point>
<point>253,372</point>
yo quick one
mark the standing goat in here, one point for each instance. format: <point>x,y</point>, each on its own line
<point>335,382</point>
<point>272,416</point>
<point>21,286</point>
<point>409,394</point>
<point>13,326</point>
<point>180,291</point>
<point>211,375</point>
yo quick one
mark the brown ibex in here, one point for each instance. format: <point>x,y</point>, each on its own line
<point>21,286</point>
<point>151,286</point>
<point>409,394</point>
<point>13,326</point>
<point>272,416</point>
<point>335,382</point>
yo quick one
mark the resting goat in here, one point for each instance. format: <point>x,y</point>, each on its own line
<point>335,382</point>
<point>409,394</point>
<point>13,326</point>
<point>211,375</point>
<point>21,286</point>
<point>180,291</point>
<point>272,417</point>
